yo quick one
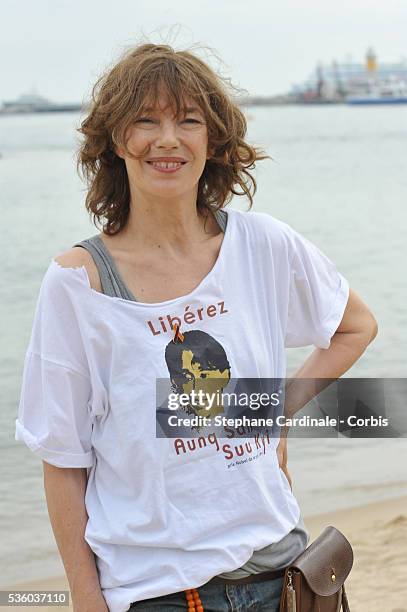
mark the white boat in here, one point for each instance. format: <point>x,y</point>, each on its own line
<point>390,92</point>
<point>356,83</point>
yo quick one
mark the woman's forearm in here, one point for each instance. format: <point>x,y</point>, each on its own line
<point>65,493</point>
<point>324,366</point>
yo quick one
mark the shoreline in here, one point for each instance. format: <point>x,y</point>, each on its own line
<point>377,532</point>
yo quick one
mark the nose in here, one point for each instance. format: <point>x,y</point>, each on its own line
<point>167,135</point>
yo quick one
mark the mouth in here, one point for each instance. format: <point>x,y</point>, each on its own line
<point>166,166</point>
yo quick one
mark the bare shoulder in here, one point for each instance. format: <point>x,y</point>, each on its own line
<point>77,257</point>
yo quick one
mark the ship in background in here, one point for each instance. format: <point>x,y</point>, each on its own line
<point>355,83</point>
<point>34,103</point>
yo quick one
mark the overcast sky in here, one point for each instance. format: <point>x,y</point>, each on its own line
<point>59,47</point>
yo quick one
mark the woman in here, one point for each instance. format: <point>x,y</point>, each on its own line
<point>174,287</point>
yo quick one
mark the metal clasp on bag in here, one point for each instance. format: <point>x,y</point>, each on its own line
<point>291,599</point>
<point>290,577</point>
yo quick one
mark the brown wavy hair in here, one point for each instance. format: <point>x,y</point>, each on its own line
<point>120,95</point>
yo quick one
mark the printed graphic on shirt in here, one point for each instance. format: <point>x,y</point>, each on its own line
<point>189,316</point>
<point>199,363</point>
<point>235,452</point>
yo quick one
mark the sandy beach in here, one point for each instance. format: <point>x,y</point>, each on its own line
<point>378,534</point>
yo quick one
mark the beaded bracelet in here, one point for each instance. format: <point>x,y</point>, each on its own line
<point>193,600</point>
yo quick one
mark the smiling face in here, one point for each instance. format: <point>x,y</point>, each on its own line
<point>156,133</point>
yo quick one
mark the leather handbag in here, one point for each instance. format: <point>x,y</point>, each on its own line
<point>315,581</point>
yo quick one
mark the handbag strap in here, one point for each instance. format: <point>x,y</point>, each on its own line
<point>345,603</point>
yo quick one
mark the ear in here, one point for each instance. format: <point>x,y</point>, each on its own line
<point>119,152</point>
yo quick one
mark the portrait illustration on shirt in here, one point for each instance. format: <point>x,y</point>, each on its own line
<point>199,363</point>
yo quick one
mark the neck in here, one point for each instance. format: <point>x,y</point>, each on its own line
<point>174,225</point>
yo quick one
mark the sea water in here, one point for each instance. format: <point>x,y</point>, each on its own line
<point>338,175</point>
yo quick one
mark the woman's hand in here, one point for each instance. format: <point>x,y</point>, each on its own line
<point>65,490</point>
<point>282,458</point>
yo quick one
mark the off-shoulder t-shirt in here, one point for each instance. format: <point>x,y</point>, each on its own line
<point>161,520</point>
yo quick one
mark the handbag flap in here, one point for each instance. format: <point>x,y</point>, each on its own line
<point>326,563</point>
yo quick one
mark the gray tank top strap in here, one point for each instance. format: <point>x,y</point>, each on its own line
<point>110,279</point>
<point>221,217</point>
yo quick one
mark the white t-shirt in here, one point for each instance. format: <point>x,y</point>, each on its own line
<point>162,521</point>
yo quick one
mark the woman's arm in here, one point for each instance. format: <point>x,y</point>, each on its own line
<point>65,493</point>
<point>356,331</point>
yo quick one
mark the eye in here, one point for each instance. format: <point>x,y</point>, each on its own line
<point>191,122</point>
<point>144,120</point>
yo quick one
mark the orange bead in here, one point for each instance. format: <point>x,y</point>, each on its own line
<point>193,600</point>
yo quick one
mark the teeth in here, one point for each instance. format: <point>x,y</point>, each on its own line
<point>167,164</point>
